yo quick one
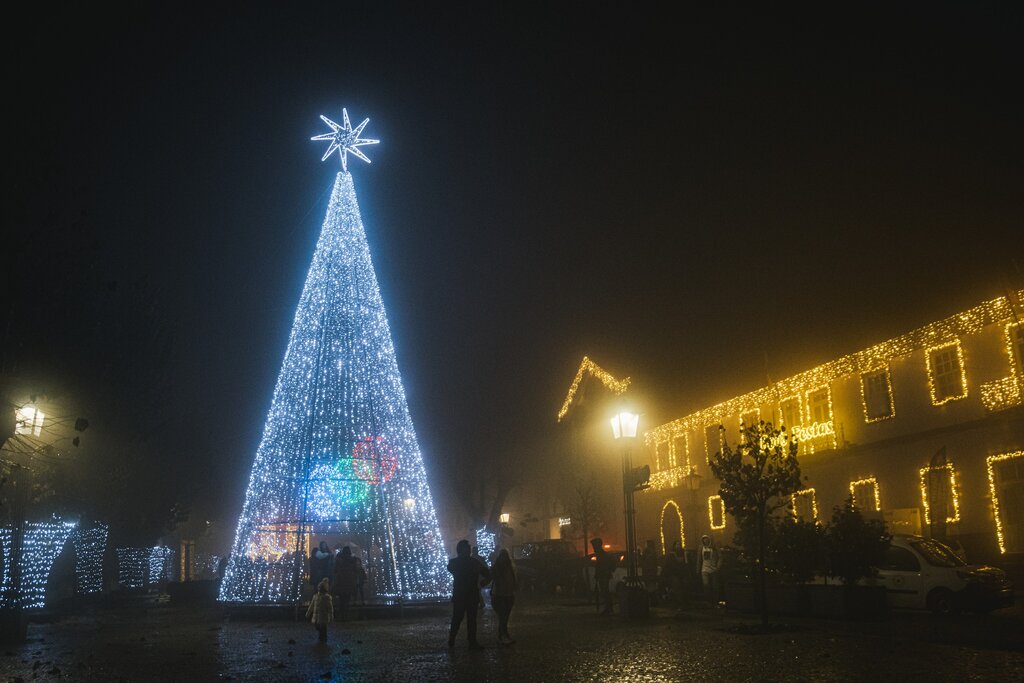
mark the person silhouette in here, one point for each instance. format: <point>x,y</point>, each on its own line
<point>467,573</point>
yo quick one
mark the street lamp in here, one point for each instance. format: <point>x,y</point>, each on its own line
<point>624,429</point>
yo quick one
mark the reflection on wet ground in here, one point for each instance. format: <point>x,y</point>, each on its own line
<point>555,641</point>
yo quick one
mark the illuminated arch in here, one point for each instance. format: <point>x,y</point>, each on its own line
<point>661,525</point>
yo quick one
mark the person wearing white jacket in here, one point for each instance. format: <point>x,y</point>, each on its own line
<point>710,569</point>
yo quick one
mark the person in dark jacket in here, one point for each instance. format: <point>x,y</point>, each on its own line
<point>346,574</point>
<point>467,572</point>
<point>503,593</point>
<point>605,565</point>
<point>321,565</point>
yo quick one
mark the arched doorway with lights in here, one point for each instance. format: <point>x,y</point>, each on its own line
<point>671,526</point>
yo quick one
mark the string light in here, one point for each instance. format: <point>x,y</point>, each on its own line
<point>720,431</point>
<point>204,565</point>
<point>888,393</point>
<point>942,332</point>
<point>132,565</point>
<point>673,453</point>
<point>865,482</point>
<point>990,463</point>
<point>616,386</point>
<point>339,453</point>
<point>817,430</point>
<point>486,542</point>
<point>929,352</point>
<point>1005,393</point>
<point>661,526</point>
<point>805,493</point>
<point>90,546</point>
<point>40,546</point>
<point>344,139</point>
<point>160,564</point>
<point>954,494</point>
<point>748,418</point>
<point>667,479</point>
<point>716,504</point>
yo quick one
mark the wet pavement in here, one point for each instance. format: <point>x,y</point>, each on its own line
<point>556,641</point>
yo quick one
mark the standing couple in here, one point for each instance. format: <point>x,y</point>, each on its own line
<point>470,575</point>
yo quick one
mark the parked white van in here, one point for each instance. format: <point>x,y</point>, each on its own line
<point>922,573</point>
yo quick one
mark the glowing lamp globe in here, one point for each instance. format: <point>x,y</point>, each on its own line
<point>624,425</point>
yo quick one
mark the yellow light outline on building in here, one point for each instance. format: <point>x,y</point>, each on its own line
<point>661,525</point>
<point>923,473</point>
<point>931,379</point>
<point>865,482</point>
<point>616,386</point>
<point>864,400</point>
<point>989,462</point>
<point>814,502</point>
<point>711,512</point>
<point>941,332</point>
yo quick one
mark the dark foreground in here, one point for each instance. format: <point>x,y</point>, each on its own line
<point>556,641</point>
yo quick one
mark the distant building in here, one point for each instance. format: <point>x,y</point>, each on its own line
<point>926,430</point>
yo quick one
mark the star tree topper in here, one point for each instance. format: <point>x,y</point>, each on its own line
<point>345,139</point>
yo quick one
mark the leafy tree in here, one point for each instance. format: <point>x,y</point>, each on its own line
<point>757,478</point>
<point>798,549</point>
<point>856,546</point>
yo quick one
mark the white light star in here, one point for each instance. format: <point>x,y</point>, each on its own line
<point>345,139</point>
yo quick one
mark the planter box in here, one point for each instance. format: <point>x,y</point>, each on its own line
<point>848,602</point>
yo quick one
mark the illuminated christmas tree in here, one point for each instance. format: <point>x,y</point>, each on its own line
<point>339,456</point>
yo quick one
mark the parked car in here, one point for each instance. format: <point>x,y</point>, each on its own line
<point>547,566</point>
<point>922,573</point>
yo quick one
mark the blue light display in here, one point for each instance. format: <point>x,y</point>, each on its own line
<point>339,453</point>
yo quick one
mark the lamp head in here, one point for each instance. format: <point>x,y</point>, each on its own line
<point>624,425</point>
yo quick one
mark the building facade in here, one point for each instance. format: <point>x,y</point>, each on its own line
<point>925,430</point>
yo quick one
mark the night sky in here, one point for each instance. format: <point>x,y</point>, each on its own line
<point>691,199</point>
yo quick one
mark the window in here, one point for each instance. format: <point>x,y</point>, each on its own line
<point>1006,484</point>
<point>900,560</point>
<point>1015,341</point>
<point>28,421</point>
<point>865,494</point>
<point>713,435</point>
<point>805,506</point>
<point>946,377</point>
<point>937,554</point>
<point>748,419</point>
<point>876,395</point>
<point>819,406</point>
<point>680,452</point>
<point>716,512</point>
<point>939,495</point>
<point>661,455</point>
<point>790,409</point>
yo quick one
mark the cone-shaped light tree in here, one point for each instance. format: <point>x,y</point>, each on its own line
<point>339,456</point>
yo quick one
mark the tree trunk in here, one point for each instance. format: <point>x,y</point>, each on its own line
<point>761,601</point>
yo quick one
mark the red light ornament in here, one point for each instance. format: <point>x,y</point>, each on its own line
<point>373,461</point>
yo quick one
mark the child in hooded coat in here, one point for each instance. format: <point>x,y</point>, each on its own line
<point>321,609</point>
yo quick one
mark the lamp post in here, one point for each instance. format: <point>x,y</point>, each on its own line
<point>624,429</point>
